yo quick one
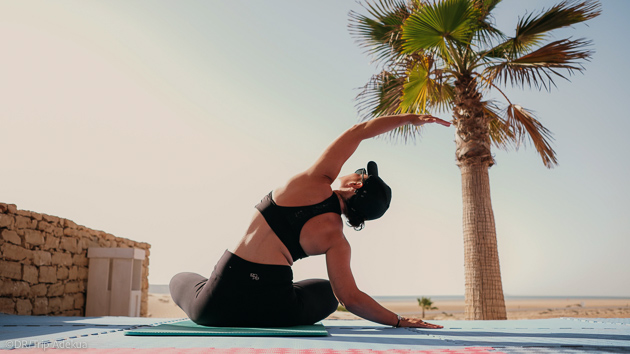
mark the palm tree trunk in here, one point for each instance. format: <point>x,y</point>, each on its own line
<point>484,290</point>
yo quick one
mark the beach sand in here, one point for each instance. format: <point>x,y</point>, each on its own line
<point>162,306</point>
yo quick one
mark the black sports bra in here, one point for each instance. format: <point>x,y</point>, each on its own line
<point>287,222</point>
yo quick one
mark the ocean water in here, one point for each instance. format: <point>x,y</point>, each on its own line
<point>434,298</point>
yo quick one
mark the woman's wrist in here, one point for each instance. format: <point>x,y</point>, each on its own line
<point>399,319</point>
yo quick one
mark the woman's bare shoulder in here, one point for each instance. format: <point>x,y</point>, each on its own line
<point>321,233</point>
<point>302,190</point>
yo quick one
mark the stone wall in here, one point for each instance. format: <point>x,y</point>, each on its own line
<point>44,264</point>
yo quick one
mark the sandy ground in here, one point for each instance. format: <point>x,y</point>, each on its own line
<point>162,306</point>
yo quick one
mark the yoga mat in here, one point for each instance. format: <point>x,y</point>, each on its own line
<point>189,328</point>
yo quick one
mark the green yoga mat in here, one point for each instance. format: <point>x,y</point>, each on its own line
<point>189,328</point>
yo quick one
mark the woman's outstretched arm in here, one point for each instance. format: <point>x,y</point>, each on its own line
<point>336,154</point>
<point>349,295</point>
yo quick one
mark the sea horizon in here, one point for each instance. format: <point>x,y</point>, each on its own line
<point>163,289</point>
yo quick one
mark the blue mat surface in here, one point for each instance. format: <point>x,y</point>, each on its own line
<point>515,336</point>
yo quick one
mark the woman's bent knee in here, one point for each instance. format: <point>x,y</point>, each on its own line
<point>318,298</point>
<point>183,288</point>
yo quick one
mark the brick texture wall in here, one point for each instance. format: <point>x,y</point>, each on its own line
<point>44,264</point>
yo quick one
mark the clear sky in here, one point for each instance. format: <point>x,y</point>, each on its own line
<point>167,121</point>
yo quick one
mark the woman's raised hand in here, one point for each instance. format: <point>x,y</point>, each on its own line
<point>420,119</point>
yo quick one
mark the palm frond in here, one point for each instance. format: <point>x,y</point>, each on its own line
<point>539,67</point>
<point>486,5</point>
<point>381,33</point>
<point>417,90</point>
<point>443,91</point>
<point>404,134</point>
<point>532,29</point>
<point>524,124</point>
<point>380,96</point>
<point>438,27</point>
<point>501,134</point>
<point>566,13</point>
<point>426,89</point>
<point>485,33</point>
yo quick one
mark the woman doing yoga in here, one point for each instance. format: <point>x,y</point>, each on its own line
<point>253,285</point>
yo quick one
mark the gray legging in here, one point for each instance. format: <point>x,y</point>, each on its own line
<point>241,293</point>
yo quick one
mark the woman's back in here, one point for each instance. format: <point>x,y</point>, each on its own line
<point>301,198</point>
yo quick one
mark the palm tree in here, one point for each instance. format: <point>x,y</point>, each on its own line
<point>426,304</point>
<point>440,56</point>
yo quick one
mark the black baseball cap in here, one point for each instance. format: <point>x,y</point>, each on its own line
<point>371,200</point>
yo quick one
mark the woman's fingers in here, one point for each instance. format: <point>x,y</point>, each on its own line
<point>441,121</point>
<point>418,323</point>
<point>425,118</point>
<point>430,325</point>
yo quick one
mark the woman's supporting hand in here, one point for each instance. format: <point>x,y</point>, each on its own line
<point>417,323</point>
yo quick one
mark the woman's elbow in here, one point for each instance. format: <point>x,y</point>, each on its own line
<point>357,129</point>
<point>350,300</point>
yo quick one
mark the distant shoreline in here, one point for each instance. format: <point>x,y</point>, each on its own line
<point>394,298</point>
<point>163,289</point>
